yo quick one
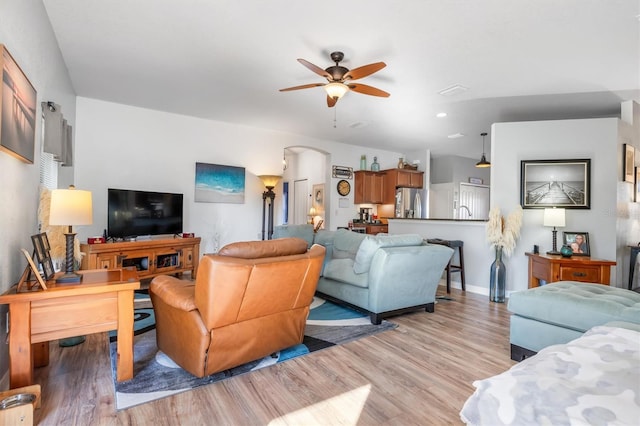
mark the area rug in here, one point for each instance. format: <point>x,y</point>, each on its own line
<point>156,376</point>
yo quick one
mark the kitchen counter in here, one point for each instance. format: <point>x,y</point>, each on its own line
<point>478,254</point>
<point>430,219</point>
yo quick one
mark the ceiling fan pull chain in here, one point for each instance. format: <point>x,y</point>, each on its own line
<point>335,114</point>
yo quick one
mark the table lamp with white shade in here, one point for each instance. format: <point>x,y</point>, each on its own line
<point>70,207</point>
<point>554,217</point>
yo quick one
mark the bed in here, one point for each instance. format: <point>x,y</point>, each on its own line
<point>594,379</point>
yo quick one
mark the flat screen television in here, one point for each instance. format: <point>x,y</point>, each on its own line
<point>141,213</point>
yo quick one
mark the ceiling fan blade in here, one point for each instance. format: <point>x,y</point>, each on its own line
<point>364,71</point>
<point>331,101</point>
<point>316,69</point>
<point>368,90</point>
<point>304,86</point>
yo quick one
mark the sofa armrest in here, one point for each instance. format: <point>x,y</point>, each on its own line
<point>406,276</point>
<point>174,292</point>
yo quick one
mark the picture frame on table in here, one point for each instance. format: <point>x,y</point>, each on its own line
<point>42,254</point>
<point>24,284</point>
<point>578,241</point>
<point>628,163</point>
<point>555,183</point>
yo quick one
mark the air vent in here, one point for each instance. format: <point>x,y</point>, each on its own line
<point>453,90</point>
<point>456,136</point>
<point>359,124</point>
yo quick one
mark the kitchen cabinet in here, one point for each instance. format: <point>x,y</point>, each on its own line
<point>369,187</point>
<point>400,178</point>
<point>374,229</point>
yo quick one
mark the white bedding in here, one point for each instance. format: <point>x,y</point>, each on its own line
<point>592,380</point>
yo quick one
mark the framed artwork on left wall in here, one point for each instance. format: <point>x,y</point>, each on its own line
<point>628,163</point>
<point>17,110</point>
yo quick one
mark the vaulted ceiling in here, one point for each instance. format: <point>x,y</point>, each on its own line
<point>226,60</point>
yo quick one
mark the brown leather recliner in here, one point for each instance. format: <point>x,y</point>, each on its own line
<point>248,301</point>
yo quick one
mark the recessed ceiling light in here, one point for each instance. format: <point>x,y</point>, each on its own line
<point>456,136</point>
<point>441,114</point>
<point>453,90</point>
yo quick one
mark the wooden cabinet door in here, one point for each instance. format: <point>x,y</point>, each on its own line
<point>403,179</point>
<point>416,180</point>
<point>105,261</point>
<point>369,187</point>
<point>187,257</point>
<point>376,188</point>
<point>359,187</point>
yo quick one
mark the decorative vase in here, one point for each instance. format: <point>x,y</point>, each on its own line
<point>401,163</point>
<point>375,167</point>
<point>363,162</point>
<point>497,278</point>
<point>566,251</point>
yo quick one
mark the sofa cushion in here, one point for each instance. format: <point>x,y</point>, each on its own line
<point>299,231</point>
<point>346,244</point>
<point>342,270</point>
<point>575,305</point>
<point>371,243</point>
<point>262,249</point>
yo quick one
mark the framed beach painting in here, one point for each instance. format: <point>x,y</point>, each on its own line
<point>555,183</point>
<point>216,183</point>
<point>17,110</point>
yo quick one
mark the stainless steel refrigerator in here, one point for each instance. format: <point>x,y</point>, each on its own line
<point>411,203</point>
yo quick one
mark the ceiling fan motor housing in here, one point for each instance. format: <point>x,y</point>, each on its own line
<point>337,72</point>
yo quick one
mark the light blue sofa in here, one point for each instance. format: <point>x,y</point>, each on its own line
<point>383,275</point>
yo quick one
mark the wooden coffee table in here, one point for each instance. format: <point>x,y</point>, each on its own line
<point>103,301</point>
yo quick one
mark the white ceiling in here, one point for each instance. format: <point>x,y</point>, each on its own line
<point>226,59</point>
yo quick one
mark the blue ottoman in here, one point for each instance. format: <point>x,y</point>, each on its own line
<point>562,311</point>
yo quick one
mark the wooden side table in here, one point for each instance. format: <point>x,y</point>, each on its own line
<point>552,268</point>
<point>103,301</point>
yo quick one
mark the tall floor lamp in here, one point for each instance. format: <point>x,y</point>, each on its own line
<point>268,197</point>
<point>70,207</point>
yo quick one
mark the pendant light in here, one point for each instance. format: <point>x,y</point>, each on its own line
<point>483,160</point>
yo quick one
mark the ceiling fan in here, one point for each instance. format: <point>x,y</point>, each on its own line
<point>339,79</point>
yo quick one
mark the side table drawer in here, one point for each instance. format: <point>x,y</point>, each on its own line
<point>583,274</point>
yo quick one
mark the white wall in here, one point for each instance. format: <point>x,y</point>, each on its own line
<point>120,146</point>
<point>596,139</point>
<point>628,208</point>
<point>27,34</point>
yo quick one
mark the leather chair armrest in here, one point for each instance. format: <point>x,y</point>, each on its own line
<point>174,292</point>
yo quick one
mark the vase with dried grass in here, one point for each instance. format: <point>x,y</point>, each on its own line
<point>502,234</point>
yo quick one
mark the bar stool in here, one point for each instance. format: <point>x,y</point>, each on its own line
<point>454,244</point>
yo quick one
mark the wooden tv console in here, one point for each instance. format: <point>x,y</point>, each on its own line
<point>150,257</point>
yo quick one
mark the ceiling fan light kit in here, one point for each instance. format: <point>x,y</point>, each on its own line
<point>336,90</point>
<point>339,79</point>
<point>483,160</point>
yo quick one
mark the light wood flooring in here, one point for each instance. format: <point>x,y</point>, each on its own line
<point>419,373</point>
